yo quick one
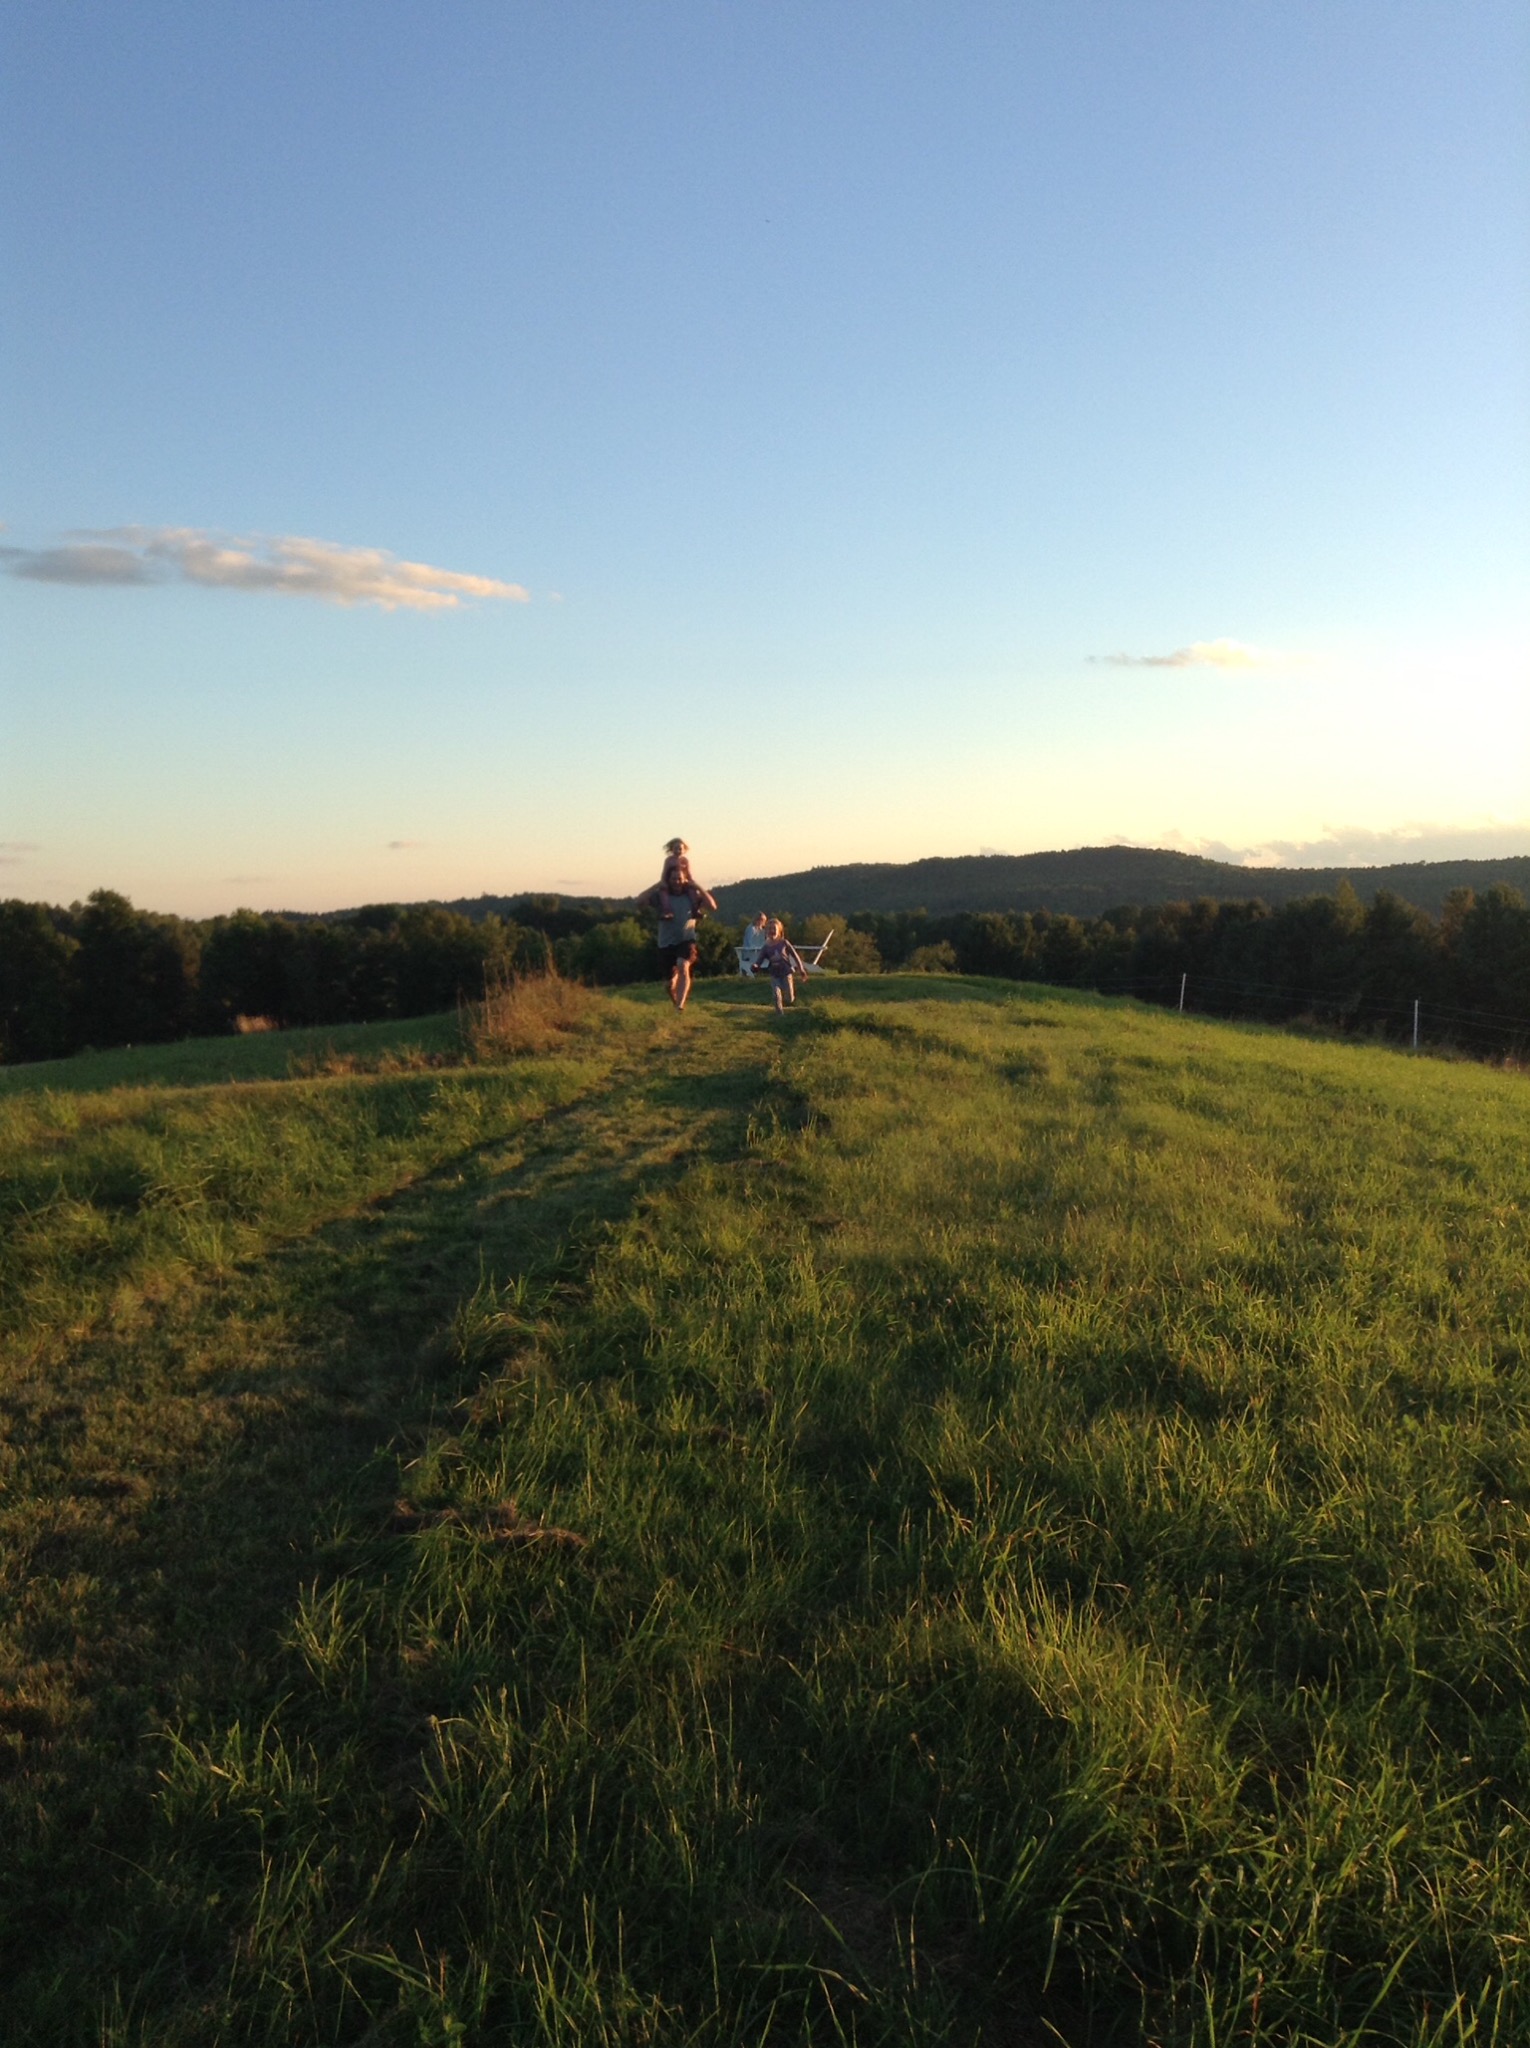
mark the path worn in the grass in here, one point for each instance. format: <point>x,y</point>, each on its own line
<point>251,1436</point>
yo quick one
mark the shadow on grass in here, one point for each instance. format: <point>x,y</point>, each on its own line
<point>283,1400</point>
<point>950,989</point>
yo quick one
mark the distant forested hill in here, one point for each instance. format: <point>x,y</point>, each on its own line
<point>1091,879</point>
<point>553,914</point>
<point>1081,882</point>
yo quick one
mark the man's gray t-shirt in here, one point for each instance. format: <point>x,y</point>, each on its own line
<point>680,930</point>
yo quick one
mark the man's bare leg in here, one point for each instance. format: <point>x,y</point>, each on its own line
<point>680,984</point>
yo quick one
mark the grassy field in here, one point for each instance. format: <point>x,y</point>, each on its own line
<point>262,1056</point>
<point>973,1514</point>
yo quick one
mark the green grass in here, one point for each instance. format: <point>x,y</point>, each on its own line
<point>262,1056</point>
<point>1021,1533</point>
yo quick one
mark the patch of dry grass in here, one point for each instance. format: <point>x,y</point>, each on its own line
<point>524,1013</point>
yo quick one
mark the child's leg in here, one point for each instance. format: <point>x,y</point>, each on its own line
<point>791,990</point>
<point>778,990</point>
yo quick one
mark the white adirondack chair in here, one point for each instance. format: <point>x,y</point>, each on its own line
<point>811,957</point>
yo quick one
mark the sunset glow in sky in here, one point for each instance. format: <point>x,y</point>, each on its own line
<point>452,450</point>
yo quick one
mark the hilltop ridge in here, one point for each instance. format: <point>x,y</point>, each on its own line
<point>1087,880</point>
<point>1082,881</point>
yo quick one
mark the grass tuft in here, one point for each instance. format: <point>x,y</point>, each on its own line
<point>529,1013</point>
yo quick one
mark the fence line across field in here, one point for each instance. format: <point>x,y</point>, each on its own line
<point>1402,1007</point>
<point>1410,1012</point>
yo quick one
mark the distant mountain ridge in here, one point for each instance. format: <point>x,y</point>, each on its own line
<point>1086,880</point>
<point>1083,881</point>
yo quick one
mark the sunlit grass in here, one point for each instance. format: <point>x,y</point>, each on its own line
<point>1020,1531</point>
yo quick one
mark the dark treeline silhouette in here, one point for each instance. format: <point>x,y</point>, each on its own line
<point>557,915</point>
<point>103,973</point>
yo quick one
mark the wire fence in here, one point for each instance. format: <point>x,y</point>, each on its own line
<point>1419,1019</point>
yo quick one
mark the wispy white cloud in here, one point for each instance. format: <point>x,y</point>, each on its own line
<point>1360,846</point>
<point>288,564</point>
<point>1203,654</point>
<point>405,845</point>
<point>14,851</point>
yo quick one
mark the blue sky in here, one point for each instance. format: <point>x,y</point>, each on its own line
<point>825,431</point>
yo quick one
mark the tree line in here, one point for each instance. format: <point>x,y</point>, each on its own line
<point>105,973</point>
<point>1330,958</point>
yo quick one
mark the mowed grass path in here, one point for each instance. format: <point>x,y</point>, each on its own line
<point>971,1515</point>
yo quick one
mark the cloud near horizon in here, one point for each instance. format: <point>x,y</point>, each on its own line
<point>1201,654</point>
<point>288,564</point>
<point>1359,846</point>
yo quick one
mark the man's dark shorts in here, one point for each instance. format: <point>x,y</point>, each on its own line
<point>668,955</point>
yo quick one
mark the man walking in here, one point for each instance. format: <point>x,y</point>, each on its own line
<point>679,900</point>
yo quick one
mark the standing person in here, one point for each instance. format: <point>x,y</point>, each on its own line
<point>781,961</point>
<point>679,900</point>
